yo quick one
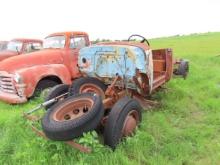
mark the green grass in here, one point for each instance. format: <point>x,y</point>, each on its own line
<point>185,129</point>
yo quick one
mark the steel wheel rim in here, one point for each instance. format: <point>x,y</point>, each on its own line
<point>92,88</point>
<point>130,123</point>
<point>73,109</point>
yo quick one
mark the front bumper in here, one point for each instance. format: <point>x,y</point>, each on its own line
<point>12,98</point>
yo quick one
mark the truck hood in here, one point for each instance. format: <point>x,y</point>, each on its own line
<point>6,54</point>
<point>43,57</point>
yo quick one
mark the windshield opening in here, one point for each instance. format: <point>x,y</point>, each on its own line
<point>54,42</point>
<point>14,46</point>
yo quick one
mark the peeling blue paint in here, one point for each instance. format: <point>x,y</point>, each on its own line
<point>108,60</point>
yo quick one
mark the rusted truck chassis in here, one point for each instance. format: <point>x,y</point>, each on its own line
<point>118,78</point>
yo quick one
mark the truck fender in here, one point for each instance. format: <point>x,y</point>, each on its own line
<point>32,75</point>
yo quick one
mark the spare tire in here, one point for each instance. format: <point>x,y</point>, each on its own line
<point>56,91</point>
<point>73,116</point>
<point>88,85</point>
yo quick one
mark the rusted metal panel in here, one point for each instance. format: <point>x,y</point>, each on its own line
<point>107,61</point>
<point>32,75</point>
<point>163,66</point>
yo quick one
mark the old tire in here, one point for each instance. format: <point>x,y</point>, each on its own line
<point>124,117</point>
<point>56,91</point>
<point>58,126</point>
<point>183,68</point>
<point>88,85</point>
<point>42,85</point>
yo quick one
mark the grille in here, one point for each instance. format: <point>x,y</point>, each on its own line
<point>6,83</point>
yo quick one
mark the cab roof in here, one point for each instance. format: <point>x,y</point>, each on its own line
<point>26,40</point>
<point>68,33</point>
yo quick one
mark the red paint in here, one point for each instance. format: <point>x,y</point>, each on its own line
<point>60,64</point>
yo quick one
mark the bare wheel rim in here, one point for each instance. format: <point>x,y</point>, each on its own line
<point>73,109</point>
<point>130,123</point>
<point>92,88</point>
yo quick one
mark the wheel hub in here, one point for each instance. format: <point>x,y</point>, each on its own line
<point>130,124</point>
<point>73,109</point>
<point>91,88</point>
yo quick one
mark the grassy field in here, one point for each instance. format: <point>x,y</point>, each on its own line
<point>184,129</point>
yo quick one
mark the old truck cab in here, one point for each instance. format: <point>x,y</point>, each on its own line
<point>21,77</point>
<point>20,46</point>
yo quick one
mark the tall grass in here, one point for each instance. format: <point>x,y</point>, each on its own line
<point>184,129</point>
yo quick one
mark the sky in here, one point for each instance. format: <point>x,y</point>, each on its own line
<point>108,19</point>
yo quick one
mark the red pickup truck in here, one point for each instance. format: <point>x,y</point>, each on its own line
<point>20,46</point>
<point>21,77</point>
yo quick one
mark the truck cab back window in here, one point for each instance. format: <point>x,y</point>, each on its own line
<point>77,42</point>
<point>31,47</point>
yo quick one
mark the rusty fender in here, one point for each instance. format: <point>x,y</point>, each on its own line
<point>32,75</point>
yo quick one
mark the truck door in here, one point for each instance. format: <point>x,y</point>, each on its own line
<point>76,43</point>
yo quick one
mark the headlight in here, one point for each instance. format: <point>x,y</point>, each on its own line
<point>17,78</point>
